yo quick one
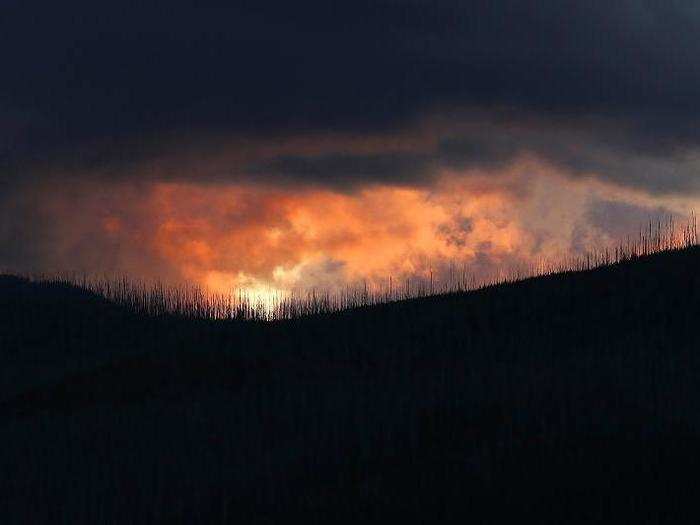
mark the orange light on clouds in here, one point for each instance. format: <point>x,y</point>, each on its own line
<point>271,241</point>
<point>226,237</point>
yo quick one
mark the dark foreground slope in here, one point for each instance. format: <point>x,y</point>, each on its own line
<point>568,399</point>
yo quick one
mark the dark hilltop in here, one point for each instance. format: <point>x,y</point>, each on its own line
<point>567,398</point>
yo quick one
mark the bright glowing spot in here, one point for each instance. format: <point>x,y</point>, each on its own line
<point>243,288</point>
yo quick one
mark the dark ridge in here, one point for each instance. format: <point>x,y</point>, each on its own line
<point>570,398</point>
<point>544,314</point>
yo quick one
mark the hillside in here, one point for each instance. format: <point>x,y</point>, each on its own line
<point>561,399</point>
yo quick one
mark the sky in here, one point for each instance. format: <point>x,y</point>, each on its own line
<point>282,145</point>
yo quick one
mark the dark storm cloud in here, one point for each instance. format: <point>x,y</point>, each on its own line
<point>88,84</point>
<point>342,170</point>
<point>485,149</point>
<point>614,150</point>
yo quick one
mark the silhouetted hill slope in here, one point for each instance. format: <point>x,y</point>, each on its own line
<point>568,398</point>
<point>636,305</point>
<point>47,329</point>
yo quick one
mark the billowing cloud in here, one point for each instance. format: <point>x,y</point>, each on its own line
<point>316,143</point>
<point>228,236</point>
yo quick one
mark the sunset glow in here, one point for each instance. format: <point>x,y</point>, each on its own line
<point>266,242</point>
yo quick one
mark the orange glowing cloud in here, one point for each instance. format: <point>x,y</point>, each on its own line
<point>271,240</point>
<point>227,236</point>
<point>236,236</point>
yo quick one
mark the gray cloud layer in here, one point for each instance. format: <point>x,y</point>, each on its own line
<point>612,149</point>
<point>87,87</point>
